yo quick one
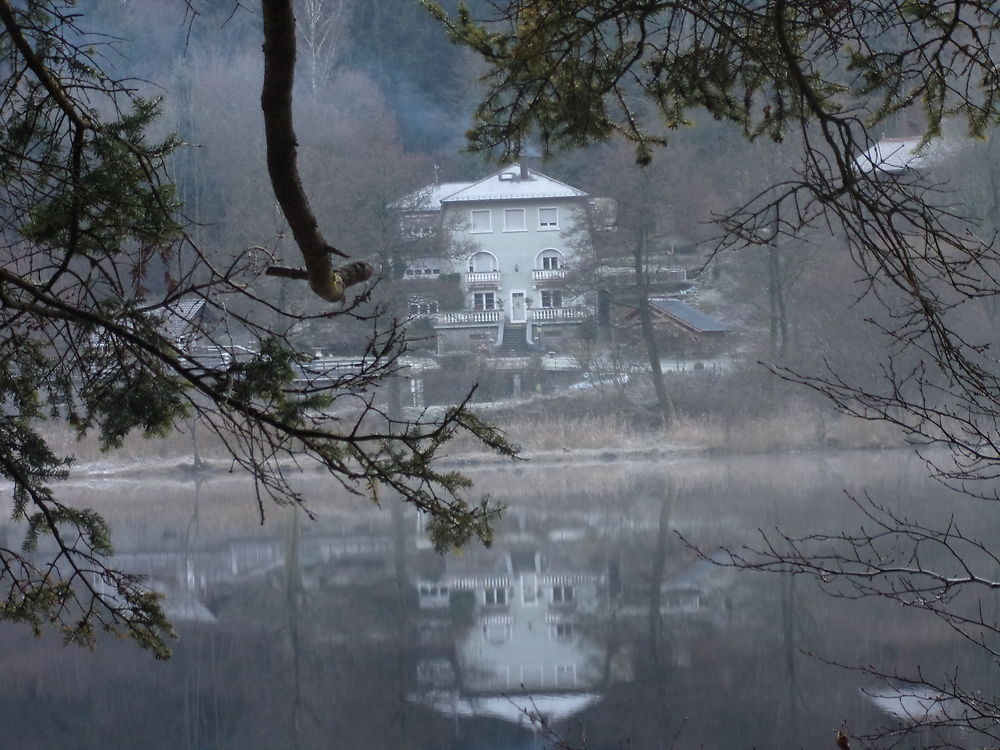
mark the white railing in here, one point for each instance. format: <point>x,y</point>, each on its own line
<point>543,314</point>
<point>543,274</point>
<point>482,279</point>
<point>467,317</point>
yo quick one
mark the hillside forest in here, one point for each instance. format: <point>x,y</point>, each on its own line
<point>383,100</point>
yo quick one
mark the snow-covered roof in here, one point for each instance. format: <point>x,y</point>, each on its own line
<point>429,198</point>
<point>897,155</point>
<point>180,316</point>
<point>507,184</point>
<point>504,184</point>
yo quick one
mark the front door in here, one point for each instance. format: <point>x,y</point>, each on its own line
<point>517,309</point>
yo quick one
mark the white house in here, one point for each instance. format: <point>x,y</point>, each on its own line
<point>509,240</point>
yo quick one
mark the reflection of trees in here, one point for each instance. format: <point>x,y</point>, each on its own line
<point>659,563</point>
<point>320,651</point>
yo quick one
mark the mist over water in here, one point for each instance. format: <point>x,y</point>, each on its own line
<point>350,631</point>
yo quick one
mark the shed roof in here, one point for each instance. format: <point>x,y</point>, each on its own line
<point>688,316</point>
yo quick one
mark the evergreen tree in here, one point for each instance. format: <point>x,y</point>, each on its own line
<point>102,291</point>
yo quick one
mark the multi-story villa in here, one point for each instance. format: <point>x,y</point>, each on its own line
<point>509,241</point>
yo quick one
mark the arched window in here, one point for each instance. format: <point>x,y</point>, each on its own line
<point>482,262</point>
<point>550,259</point>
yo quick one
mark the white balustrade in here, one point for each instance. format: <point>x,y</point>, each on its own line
<point>482,279</point>
<point>468,317</point>
<point>545,274</point>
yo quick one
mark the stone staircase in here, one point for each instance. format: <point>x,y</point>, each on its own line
<point>515,342</point>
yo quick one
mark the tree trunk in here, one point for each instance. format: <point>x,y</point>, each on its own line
<point>667,412</point>
<point>776,295</point>
<point>282,156</point>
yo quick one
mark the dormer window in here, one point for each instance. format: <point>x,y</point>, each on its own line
<point>548,218</point>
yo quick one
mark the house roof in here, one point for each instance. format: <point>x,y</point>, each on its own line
<point>180,315</point>
<point>429,198</point>
<point>688,316</point>
<point>504,184</point>
<point>507,184</point>
<point>897,155</point>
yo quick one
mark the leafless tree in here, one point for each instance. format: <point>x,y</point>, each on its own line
<point>833,74</point>
<point>322,25</point>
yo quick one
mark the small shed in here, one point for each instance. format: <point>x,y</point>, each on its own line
<point>680,326</point>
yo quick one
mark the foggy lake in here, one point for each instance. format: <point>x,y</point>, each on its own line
<point>349,631</point>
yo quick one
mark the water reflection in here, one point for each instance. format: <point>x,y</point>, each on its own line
<point>589,611</point>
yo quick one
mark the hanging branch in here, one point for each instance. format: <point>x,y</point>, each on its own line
<point>282,162</point>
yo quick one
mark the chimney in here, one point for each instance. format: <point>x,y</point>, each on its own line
<point>530,159</point>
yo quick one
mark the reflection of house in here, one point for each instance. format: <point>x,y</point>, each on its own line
<point>700,590</point>
<point>522,632</point>
<point>508,241</point>
<point>187,577</point>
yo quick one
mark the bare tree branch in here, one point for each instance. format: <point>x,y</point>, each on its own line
<point>282,164</point>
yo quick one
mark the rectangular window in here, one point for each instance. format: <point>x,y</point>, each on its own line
<point>548,218</point>
<point>484,301</point>
<point>564,631</point>
<point>422,268</point>
<point>481,221</point>
<point>513,220</point>
<point>551,298</point>
<point>562,594</point>
<point>550,262</point>
<point>496,597</point>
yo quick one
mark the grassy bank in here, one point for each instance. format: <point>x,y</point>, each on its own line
<point>556,427</point>
<point>567,425</point>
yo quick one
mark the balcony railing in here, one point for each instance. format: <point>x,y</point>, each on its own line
<point>468,317</point>
<point>482,280</point>
<point>548,275</point>
<point>546,314</point>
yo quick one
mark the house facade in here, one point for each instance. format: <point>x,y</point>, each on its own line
<point>509,241</point>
